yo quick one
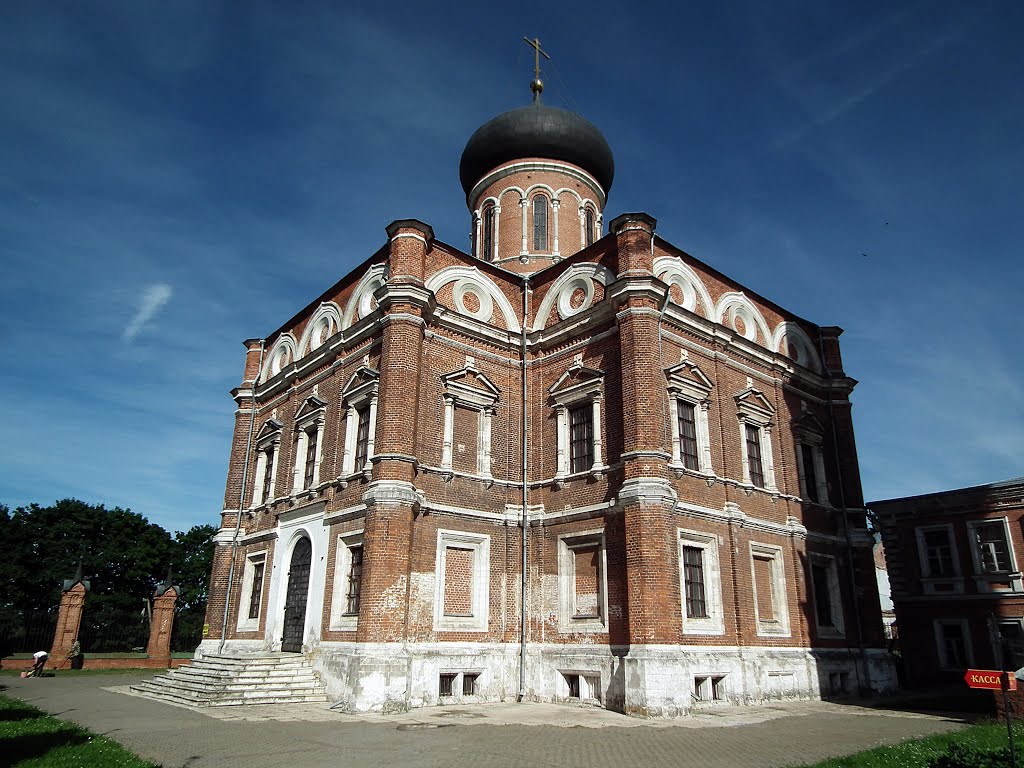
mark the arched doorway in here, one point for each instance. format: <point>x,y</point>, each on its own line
<point>296,596</point>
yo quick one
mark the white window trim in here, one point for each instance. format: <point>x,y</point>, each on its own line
<point>714,623</point>
<point>754,408</point>
<point>356,395</point>
<point>270,441</point>
<point>814,442</point>
<point>480,598</point>
<point>687,383</point>
<point>835,595</point>
<point>313,415</point>
<point>778,627</point>
<point>567,543</point>
<point>252,559</point>
<point>940,646</point>
<point>934,584</point>
<point>572,396</point>
<point>341,621</point>
<point>482,399</point>
<point>990,581</point>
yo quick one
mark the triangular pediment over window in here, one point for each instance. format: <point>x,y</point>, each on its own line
<point>271,428</point>
<point>686,379</point>
<point>361,383</point>
<point>808,424</point>
<point>468,385</point>
<point>753,403</point>
<point>310,406</point>
<point>576,383</point>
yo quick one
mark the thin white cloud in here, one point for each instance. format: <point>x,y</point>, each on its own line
<point>153,300</point>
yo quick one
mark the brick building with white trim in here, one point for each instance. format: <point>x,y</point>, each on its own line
<point>565,465</point>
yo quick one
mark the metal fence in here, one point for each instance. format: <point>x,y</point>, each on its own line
<point>28,633</point>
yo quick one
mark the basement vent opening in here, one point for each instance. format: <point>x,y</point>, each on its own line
<point>445,684</point>
<point>582,686</point>
<point>709,687</point>
<point>469,680</point>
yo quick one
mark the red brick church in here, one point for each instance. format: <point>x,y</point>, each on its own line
<point>573,463</point>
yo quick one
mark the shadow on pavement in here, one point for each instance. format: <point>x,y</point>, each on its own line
<point>964,702</point>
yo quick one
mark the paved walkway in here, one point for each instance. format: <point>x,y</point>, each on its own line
<point>493,735</point>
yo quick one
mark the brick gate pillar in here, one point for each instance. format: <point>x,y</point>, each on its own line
<point>69,617</point>
<point>164,600</point>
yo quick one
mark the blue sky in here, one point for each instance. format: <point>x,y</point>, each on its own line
<point>178,177</point>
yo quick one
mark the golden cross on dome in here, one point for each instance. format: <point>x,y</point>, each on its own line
<point>537,85</point>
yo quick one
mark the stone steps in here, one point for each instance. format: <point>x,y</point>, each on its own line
<point>224,681</point>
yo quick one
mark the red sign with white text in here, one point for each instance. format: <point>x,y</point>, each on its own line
<point>989,678</point>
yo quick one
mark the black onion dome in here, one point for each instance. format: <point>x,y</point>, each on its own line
<point>537,131</point>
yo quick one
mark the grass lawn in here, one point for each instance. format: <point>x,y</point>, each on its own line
<point>32,739</point>
<point>917,753</point>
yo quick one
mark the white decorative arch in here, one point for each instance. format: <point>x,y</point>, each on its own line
<point>506,190</point>
<point>280,356</point>
<point>578,276</point>
<point>324,323</point>
<point>539,187</point>
<point>579,199</point>
<point>472,280</point>
<point>735,307</point>
<point>362,303</point>
<point>674,271</point>
<point>792,341</point>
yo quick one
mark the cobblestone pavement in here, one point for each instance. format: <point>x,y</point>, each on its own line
<point>493,735</point>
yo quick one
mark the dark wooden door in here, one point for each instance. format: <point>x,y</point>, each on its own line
<point>296,596</point>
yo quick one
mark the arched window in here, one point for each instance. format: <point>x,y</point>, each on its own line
<point>488,250</point>
<point>589,225</point>
<point>540,223</point>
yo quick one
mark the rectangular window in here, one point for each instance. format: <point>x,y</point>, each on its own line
<point>581,438</point>
<point>587,573</point>
<point>540,223</point>
<point>446,684</point>
<point>709,687</point>
<point>469,680</point>
<point>763,587</point>
<point>310,469</point>
<point>462,582</point>
<point>355,578</point>
<point>693,578</point>
<point>952,645</point>
<point>938,553</point>
<point>993,551</point>
<point>582,604</point>
<point>488,233</point>
<point>810,473</point>
<point>687,434</point>
<point>268,476</point>
<point>458,582</point>
<point>771,609</point>
<point>256,592</point>
<point>822,595</point>
<point>362,437</point>
<point>754,455</point>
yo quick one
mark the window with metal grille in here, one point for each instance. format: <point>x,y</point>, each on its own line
<point>993,553</point>
<point>256,594</point>
<point>355,577</point>
<point>938,552</point>
<point>362,437</point>
<point>311,440</point>
<point>588,217</point>
<point>540,223</point>
<point>810,473</point>
<point>488,251</point>
<point>754,455</point>
<point>446,683</point>
<point>822,595</point>
<point>693,577</point>
<point>581,438</point>
<point>268,476</point>
<point>687,434</point>
<point>573,682</point>
<point>954,649</point>
<point>469,680</point>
